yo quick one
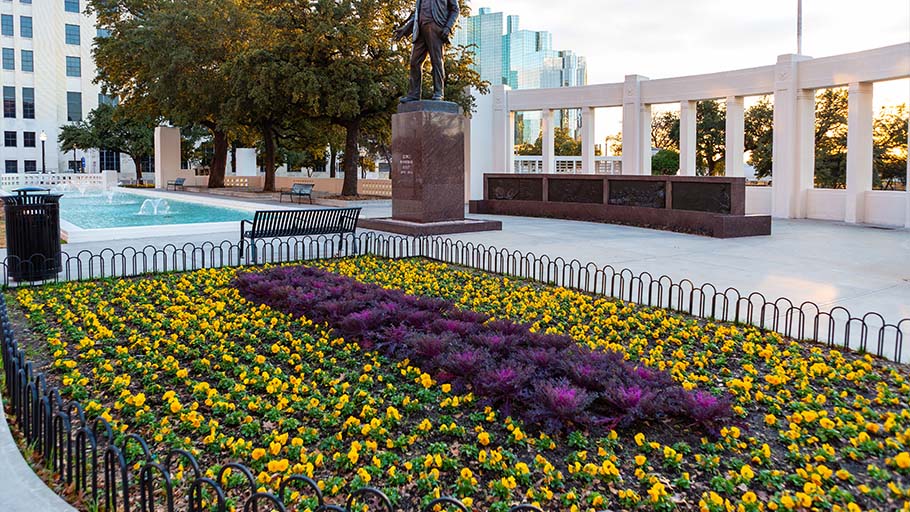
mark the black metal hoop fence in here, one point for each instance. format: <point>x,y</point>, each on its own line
<point>120,473</point>
<point>89,457</point>
<point>836,328</point>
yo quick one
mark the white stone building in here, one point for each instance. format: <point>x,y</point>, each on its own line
<point>46,75</point>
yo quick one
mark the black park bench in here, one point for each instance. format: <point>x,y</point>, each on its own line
<point>285,223</point>
<point>298,190</point>
<point>179,182</point>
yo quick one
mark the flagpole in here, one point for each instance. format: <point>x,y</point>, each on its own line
<point>799,27</point>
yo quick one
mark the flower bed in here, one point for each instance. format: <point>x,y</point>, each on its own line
<point>546,379</point>
<point>186,361</point>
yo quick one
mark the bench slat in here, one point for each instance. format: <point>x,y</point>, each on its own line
<point>324,221</point>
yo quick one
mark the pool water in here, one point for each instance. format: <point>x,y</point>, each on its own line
<point>116,209</point>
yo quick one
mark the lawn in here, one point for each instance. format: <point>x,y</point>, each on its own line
<point>559,398</point>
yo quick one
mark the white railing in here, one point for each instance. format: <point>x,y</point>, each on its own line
<point>105,179</point>
<point>568,164</point>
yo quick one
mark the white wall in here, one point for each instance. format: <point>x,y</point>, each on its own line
<point>758,200</point>
<point>885,207</point>
<point>826,204</point>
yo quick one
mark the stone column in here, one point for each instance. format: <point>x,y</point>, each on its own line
<point>688,133</point>
<point>859,150</point>
<point>549,138</point>
<point>246,162</point>
<point>907,182</point>
<point>636,121</point>
<point>501,145</point>
<point>167,155</point>
<point>793,137</point>
<point>735,137</point>
<point>510,141</point>
<point>588,161</point>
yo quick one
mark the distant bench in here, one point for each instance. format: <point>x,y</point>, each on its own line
<point>285,223</point>
<point>298,190</point>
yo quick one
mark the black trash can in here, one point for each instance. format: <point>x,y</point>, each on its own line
<point>32,234</point>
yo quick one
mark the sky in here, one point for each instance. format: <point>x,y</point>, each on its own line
<point>668,38</point>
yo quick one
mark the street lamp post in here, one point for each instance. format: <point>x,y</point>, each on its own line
<point>43,162</point>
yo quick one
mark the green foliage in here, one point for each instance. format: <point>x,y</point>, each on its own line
<point>889,152</point>
<point>831,138</point>
<point>563,144</point>
<point>711,127</point>
<point>665,131</point>
<point>116,128</point>
<point>665,163</point>
<point>168,58</point>
<point>759,136</point>
<point>831,109</point>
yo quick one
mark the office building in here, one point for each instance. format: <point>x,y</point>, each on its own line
<point>522,59</point>
<point>46,75</point>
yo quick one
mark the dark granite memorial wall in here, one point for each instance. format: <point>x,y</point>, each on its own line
<point>712,206</point>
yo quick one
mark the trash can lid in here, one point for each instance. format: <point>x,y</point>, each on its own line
<point>26,190</point>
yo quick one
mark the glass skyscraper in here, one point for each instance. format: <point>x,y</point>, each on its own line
<point>521,59</point>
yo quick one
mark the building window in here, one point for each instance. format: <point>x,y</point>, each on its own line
<point>148,163</point>
<point>25,2</point>
<point>28,139</point>
<point>9,59</point>
<point>6,25</point>
<point>11,167</point>
<point>72,34</point>
<point>104,99</point>
<point>73,106</point>
<point>9,139</point>
<point>71,5</point>
<point>110,160</point>
<point>27,60</point>
<point>25,26</point>
<point>9,102</point>
<point>103,32</point>
<point>28,103</point>
<point>31,166</point>
<point>73,66</point>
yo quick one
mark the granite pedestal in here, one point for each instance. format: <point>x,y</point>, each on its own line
<point>428,169</point>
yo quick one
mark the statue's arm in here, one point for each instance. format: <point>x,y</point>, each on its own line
<point>453,14</point>
<point>405,29</point>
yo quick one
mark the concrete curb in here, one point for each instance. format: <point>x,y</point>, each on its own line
<point>20,488</point>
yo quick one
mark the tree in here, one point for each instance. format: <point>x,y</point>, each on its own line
<point>759,136</point>
<point>347,71</point>
<point>665,163</point>
<point>113,128</point>
<point>831,138</point>
<point>167,57</point>
<point>665,131</point>
<point>563,144</point>
<point>889,151</point>
<point>710,141</point>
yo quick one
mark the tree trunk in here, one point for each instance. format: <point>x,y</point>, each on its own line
<point>268,140</point>
<point>333,163</point>
<point>234,158</point>
<point>351,154</point>
<point>138,163</point>
<point>219,158</point>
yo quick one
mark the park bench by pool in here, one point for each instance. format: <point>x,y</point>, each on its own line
<point>286,223</point>
<point>179,182</point>
<point>298,190</point>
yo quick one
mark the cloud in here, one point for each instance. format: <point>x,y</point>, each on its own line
<point>665,38</point>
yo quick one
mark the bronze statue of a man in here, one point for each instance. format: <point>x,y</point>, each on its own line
<point>430,27</point>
